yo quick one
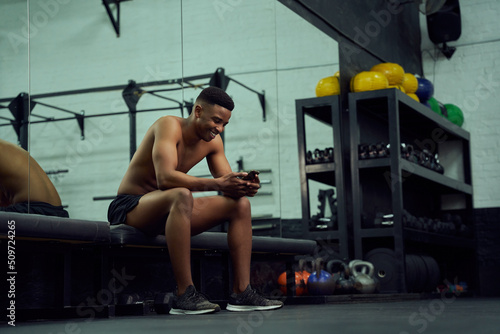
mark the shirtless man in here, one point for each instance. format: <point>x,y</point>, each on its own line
<point>24,186</point>
<point>155,196</point>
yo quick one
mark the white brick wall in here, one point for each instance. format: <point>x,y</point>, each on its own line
<point>260,43</point>
<point>470,79</point>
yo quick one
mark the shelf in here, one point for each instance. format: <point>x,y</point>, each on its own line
<point>417,170</point>
<point>326,110</point>
<point>320,168</point>
<point>433,176</point>
<point>419,236</point>
<point>323,235</point>
<point>438,239</point>
<point>319,108</point>
<point>374,163</point>
<point>413,115</point>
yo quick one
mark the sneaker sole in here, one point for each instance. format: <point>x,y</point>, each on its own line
<point>181,311</point>
<point>243,308</point>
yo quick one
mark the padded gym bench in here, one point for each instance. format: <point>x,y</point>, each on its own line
<point>63,237</point>
<point>32,236</point>
<point>125,235</point>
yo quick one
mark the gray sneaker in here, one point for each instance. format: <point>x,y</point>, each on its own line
<point>250,300</point>
<point>192,302</point>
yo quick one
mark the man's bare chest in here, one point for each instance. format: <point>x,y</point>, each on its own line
<point>189,156</point>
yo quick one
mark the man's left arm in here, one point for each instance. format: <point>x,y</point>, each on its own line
<point>219,166</point>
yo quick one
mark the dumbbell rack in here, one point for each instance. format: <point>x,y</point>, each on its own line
<point>392,184</point>
<point>327,111</point>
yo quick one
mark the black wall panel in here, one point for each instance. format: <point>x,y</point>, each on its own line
<point>387,30</point>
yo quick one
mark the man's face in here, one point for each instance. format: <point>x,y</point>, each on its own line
<point>211,120</point>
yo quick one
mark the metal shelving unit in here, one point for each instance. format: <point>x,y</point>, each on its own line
<point>327,111</point>
<point>394,185</point>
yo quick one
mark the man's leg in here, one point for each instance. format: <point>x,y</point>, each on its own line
<point>169,210</point>
<point>211,211</point>
<point>208,212</point>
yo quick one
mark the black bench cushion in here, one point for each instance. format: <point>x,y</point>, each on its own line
<point>128,235</point>
<point>55,228</point>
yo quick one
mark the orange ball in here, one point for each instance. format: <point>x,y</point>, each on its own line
<point>300,283</point>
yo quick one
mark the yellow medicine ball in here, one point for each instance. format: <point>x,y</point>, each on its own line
<point>368,80</point>
<point>413,96</point>
<point>393,72</point>
<point>328,86</point>
<point>410,83</point>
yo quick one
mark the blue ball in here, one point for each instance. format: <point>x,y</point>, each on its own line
<point>425,89</point>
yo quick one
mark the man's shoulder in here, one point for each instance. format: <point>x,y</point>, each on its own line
<point>170,124</point>
<point>168,120</point>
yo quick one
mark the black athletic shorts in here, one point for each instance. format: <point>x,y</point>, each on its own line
<point>120,206</point>
<point>39,208</point>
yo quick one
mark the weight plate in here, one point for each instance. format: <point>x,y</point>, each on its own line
<point>410,273</point>
<point>417,274</point>
<point>384,263</point>
<point>434,274</point>
<point>420,284</point>
<point>428,280</point>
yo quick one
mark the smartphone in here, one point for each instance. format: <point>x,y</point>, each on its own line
<point>251,175</point>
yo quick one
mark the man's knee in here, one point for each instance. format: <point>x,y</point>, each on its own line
<point>243,205</point>
<point>183,199</point>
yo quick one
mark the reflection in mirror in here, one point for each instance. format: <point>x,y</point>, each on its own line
<point>304,56</point>
<point>97,84</point>
<point>240,37</point>
<point>14,113</point>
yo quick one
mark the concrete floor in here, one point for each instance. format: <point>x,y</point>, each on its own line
<point>453,315</point>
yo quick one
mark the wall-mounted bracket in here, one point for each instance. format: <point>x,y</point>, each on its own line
<point>80,119</point>
<point>114,21</point>
<point>20,110</point>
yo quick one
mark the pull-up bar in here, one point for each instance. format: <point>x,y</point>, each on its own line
<point>22,105</point>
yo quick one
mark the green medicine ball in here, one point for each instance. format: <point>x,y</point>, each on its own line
<point>455,114</point>
<point>435,106</point>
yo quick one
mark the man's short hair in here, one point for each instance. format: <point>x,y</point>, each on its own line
<point>215,95</point>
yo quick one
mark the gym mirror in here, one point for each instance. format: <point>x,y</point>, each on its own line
<point>100,74</point>
<point>14,83</point>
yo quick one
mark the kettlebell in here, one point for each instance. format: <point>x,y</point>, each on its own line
<point>362,272</point>
<point>305,276</point>
<point>320,282</point>
<point>301,277</point>
<point>340,272</point>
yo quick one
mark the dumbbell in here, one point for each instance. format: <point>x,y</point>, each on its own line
<point>162,302</point>
<point>309,157</point>
<point>328,154</point>
<point>363,151</point>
